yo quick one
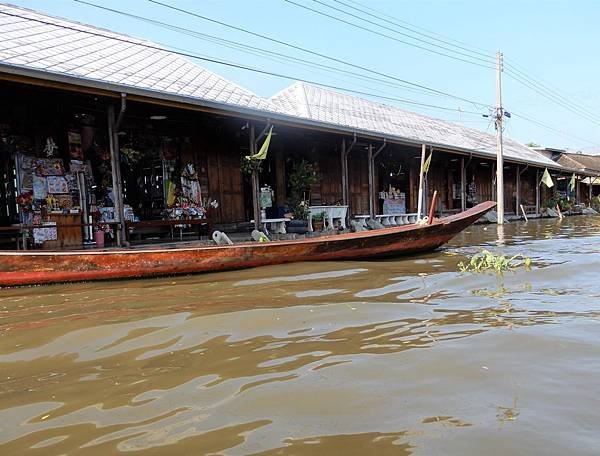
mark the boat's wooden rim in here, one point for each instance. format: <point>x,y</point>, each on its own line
<point>480,208</point>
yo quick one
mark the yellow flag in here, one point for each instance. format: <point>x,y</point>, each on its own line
<point>262,153</point>
<point>572,183</point>
<point>427,163</point>
<point>546,179</point>
<point>170,193</point>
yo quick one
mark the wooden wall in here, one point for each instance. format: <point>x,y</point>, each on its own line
<point>330,184</point>
<point>225,182</point>
<point>358,183</point>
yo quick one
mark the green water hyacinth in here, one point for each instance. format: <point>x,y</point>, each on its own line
<point>488,261</point>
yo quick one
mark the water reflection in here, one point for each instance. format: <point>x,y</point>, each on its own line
<point>387,357</point>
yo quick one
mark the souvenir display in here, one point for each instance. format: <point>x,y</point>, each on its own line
<point>57,184</point>
<point>49,233</point>
<point>40,187</point>
<point>27,181</point>
<point>50,167</point>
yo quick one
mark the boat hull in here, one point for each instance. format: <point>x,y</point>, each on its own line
<point>35,267</point>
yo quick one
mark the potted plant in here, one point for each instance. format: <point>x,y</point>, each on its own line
<point>318,221</point>
<point>301,179</point>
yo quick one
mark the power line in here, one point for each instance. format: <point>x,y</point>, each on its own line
<point>315,53</point>
<point>338,19</point>
<point>486,60</point>
<point>554,129</point>
<point>239,66</point>
<point>552,98</point>
<point>280,57</point>
<point>431,33</point>
<point>516,74</point>
<point>554,92</point>
<point>413,30</point>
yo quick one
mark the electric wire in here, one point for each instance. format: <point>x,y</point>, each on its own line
<point>338,19</point>
<point>413,28</point>
<point>553,92</point>
<point>189,54</point>
<point>475,103</point>
<point>554,129</point>
<point>486,60</point>
<point>553,99</point>
<point>511,70</point>
<point>430,32</point>
<point>265,53</point>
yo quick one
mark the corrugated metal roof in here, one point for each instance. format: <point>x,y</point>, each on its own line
<point>580,162</point>
<point>320,104</point>
<point>32,40</point>
<point>56,48</point>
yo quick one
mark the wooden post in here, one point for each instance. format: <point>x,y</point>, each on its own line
<point>420,196</point>
<point>463,190</point>
<point>432,208</point>
<point>518,192</point>
<point>371,191</point>
<point>115,163</point>
<point>255,182</point>
<point>280,178</point>
<point>344,174</point>
<point>523,211</point>
<point>537,191</point>
<point>494,178</point>
<point>577,192</point>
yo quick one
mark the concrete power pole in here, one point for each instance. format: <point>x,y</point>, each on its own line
<point>499,157</point>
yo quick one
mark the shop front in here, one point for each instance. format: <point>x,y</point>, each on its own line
<point>58,180</point>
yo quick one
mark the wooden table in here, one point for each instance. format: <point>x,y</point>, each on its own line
<point>68,229</point>
<point>172,224</point>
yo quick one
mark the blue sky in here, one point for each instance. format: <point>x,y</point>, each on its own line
<point>553,41</point>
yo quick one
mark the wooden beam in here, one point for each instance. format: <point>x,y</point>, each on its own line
<point>344,174</point>
<point>518,191</point>
<point>280,177</point>
<point>370,171</point>
<point>255,181</point>
<point>115,162</point>
<point>420,212</point>
<point>463,190</point>
<point>537,191</point>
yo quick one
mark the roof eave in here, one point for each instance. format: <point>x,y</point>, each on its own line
<point>147,95</point>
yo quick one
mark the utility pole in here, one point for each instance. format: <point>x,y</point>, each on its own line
<point>499,158</point>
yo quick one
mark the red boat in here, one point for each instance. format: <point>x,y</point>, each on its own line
<point>39,267</point>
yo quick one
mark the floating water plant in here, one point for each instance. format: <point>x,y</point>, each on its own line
<point>488,261</point>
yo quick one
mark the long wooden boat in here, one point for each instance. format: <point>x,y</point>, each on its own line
<point>40,267</point>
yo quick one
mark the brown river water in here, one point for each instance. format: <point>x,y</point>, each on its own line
<point>404,356</point>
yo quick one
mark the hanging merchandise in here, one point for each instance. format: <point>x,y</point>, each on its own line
<point>50,147</point>
<point>40,187</point>
<point>190,187</point>
<point>50,167</point>
<point>75,149</point>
